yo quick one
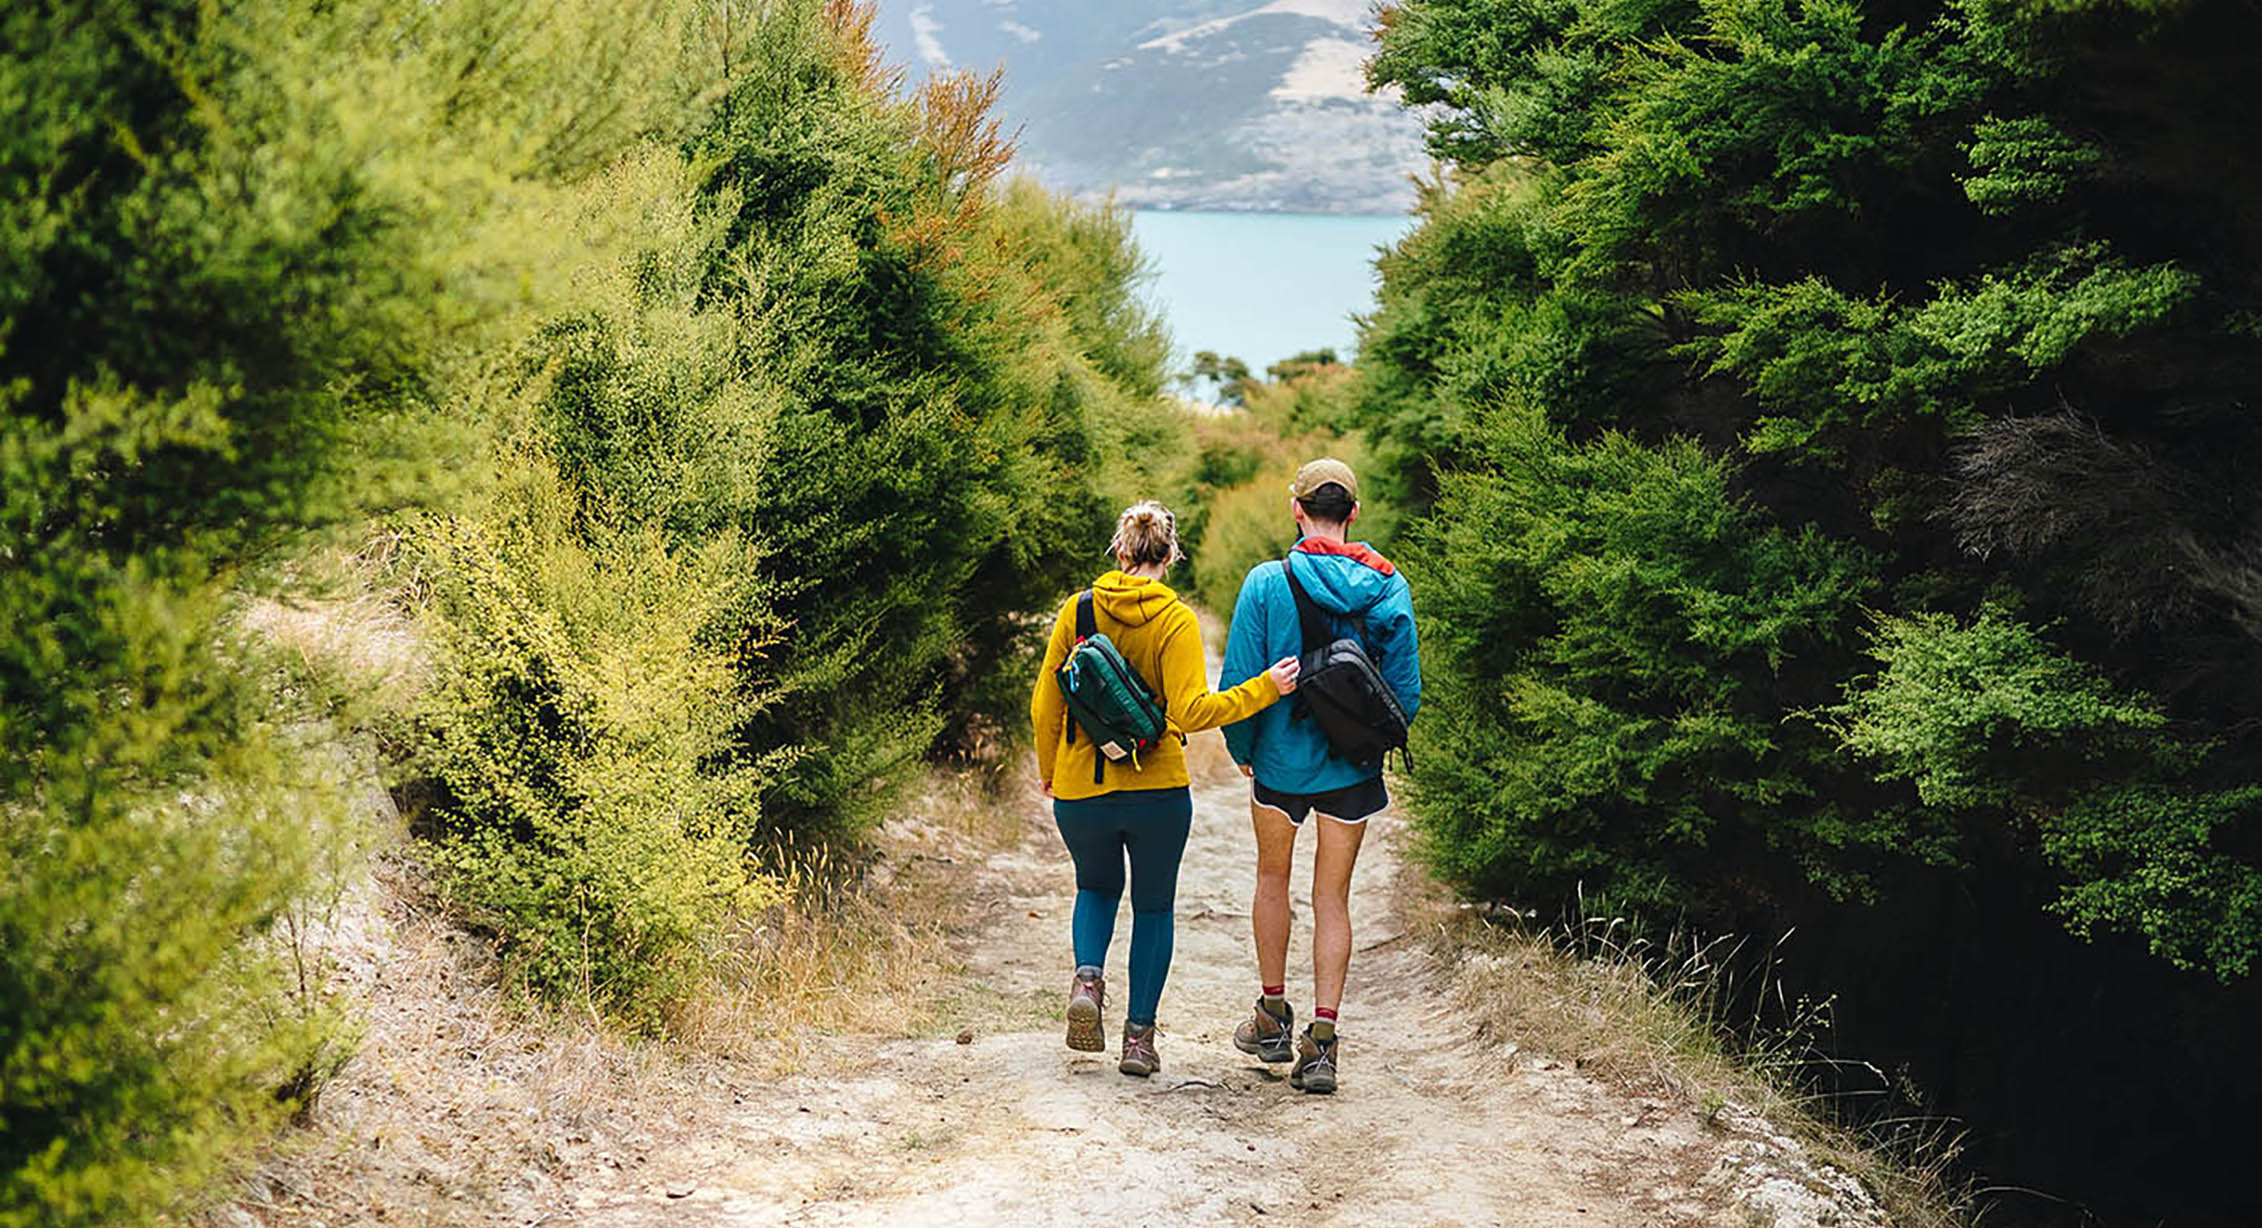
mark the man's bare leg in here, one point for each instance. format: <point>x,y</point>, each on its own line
<point>1268,911</point>
<point>1331,909</point>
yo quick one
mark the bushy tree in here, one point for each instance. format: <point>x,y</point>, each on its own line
<point>239,242</point>
<point>771,495</point>
<point>1923,284</point>
<point>951,365</point>
<point>593,606</point>
<point>1883,561</point>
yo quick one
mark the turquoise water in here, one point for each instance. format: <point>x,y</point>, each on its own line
<point>1263,286</point>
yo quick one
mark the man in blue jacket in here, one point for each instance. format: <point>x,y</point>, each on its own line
<point>1295,770</point>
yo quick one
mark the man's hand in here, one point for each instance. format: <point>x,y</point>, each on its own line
<point>1246,770</point>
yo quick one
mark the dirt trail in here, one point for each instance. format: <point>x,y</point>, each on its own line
<point>1013,1128</point>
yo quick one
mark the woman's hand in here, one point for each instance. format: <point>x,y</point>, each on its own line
<point>1045,787</point>
<point>1283,674</point>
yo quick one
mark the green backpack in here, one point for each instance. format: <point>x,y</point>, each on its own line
<point>1106,697</point>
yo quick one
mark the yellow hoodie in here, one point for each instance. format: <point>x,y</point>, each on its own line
<point>1157,634</point>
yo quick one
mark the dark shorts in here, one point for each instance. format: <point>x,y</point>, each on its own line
<point>1347,805</point>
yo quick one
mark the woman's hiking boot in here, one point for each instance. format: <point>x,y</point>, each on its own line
<point>1314,1070</point>
<point>1270,1037</point>
<point>1085,1000</point>
<point>1139,1051</point>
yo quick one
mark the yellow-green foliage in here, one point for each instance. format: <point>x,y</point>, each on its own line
<point>239,245</point>
<point>1241,462</point>
<point>840,405</point>
<point>598,812</point>
<point>143,1024</point>
<point>596,613</point>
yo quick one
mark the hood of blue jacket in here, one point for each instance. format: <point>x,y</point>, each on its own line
<point>1347,584</point>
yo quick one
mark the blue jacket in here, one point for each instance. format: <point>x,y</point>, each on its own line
<point>1288,751</point>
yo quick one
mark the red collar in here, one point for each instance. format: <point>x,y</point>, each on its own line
<point>1358,551</point>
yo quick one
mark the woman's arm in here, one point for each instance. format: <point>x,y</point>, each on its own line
<point>1048,712</point>
<point>1193,707</point>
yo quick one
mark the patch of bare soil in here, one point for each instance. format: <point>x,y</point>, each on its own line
<point>454,1114</point>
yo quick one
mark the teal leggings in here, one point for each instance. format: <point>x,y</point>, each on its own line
<point>1148,827</point>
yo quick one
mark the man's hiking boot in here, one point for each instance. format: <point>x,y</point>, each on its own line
<point>1085,999</point>
<point>1314,1070</point>
<point>1270,1037</point>
<point>1139,1051</point>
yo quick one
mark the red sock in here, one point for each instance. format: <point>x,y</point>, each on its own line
<point>1324,1012</point>
<point>1275,991</point>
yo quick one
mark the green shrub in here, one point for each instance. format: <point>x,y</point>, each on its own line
<point>2149,857</point>
<point>951,365</point>
<point>1987,720</point>
<point>597,812</point>
<point>239,244</point>
<point>1886,268</point>
<point>1597,622</point>
<point>1986,714</point>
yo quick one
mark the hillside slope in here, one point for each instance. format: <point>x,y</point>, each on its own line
<point>1187,104</point>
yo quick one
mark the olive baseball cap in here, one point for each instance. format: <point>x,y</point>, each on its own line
<point>1316,474</point>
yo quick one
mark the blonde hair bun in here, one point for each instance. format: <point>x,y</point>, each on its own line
<point>1146,533</point>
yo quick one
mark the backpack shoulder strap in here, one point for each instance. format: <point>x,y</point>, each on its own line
<point>1088,625</point>
<point>1085,625</point>
<point>1309,616</point>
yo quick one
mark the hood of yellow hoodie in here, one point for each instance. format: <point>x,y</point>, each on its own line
<point>1131,600</point>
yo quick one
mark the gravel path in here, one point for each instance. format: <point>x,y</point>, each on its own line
<point>1011,1127</point>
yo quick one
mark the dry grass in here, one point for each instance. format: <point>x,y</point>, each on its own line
<point>343,624</point>
<point>860,946</point>
<point>458,1104</point>
<point>465,1104</point>
<point>1653,1019</point>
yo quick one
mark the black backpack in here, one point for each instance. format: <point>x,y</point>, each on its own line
<point>1339,686</point>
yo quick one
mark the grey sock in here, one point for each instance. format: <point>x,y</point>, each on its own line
<point>1087,972</point>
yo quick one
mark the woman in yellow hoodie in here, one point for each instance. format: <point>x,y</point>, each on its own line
<point>1137,809</point>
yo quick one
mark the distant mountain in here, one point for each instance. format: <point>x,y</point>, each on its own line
<point>1188,104</point>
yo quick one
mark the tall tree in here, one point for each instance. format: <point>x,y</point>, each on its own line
<point>1836,419</point>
